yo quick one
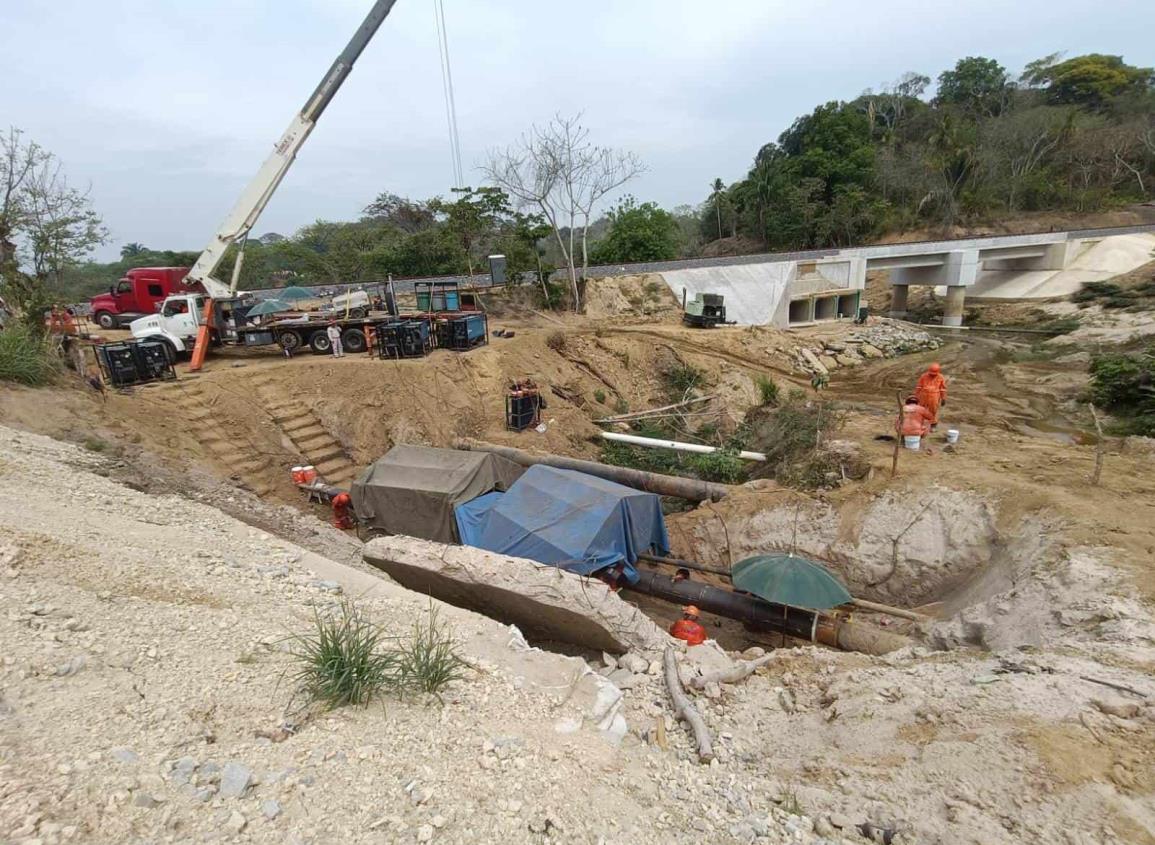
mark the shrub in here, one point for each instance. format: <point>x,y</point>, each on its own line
<point>768,390</point>
<point>556,341</point>
<point>681,378</point>
<point>1125,385</point>
<point>26,358</point>
<point>789,436</point>
<point>600,396</point>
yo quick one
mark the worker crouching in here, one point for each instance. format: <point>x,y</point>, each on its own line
<point>342,516</point>
<point>915,423</point>
<point>688,628</point>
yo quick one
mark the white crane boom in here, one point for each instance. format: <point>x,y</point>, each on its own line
<point>260,190</point>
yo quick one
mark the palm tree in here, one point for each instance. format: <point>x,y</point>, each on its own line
<point>132,250</point>
<point>719,186</point>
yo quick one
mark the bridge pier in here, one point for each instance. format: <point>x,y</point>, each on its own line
<point>898,298</point>
<point>952,314</point>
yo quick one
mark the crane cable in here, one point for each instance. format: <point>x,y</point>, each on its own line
<point>450,99</point>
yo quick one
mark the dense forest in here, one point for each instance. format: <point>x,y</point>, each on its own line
<point>1073,135</point>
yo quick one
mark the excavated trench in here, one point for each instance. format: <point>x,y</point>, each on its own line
<point>937,550</point>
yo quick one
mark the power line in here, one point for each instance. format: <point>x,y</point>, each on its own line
<point>449,94</point>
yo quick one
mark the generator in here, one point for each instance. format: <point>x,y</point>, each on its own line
<point>523,405</point>
<point>463,331</point>
<point>154,360</point>
<point>705,311</point>
<point>403,339</point>
<point>130,362</point>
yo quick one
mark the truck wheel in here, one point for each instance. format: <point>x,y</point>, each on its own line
<point>105,320</point>
<point>290,341</point>
<point>358,314</point>
<point>354,341</point>
<point>320,343</point>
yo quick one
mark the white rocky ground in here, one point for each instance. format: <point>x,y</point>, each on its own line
<point>143,698</point>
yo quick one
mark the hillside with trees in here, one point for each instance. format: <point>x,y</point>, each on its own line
<point>1075,135</point>
<point>1072,135</point>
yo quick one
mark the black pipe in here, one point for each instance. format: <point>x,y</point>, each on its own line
<point>753,611</point>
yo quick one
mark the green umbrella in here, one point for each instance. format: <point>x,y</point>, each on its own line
<point>786,579</point>
<point>269,306</point>
<point>293,292</point>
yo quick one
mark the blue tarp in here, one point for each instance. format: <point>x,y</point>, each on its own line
<point>568,519</point>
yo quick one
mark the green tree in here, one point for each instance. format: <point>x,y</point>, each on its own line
<point>978,85</point>
<point>133,249</point>
<point>642,232</point>
<point>1093,80</point>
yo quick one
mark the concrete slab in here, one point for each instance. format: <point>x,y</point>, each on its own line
<point>545,602</point>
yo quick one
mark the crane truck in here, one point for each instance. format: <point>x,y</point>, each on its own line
<point>192,320</point>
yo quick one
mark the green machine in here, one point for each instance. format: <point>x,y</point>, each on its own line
<point>705,311</point>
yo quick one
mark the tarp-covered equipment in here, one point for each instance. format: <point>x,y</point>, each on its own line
<point>568,519</point>
<point>412,490</point>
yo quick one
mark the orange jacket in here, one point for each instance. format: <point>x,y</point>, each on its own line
<point>931,385</point>
<point>688,630</point>
<point>916,421</point>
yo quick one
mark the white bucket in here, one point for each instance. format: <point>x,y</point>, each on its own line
<point>952,435</point>
<point>911,441</point>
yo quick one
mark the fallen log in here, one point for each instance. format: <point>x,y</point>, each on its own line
<point>664,485</point>
<point>635,415</point>
<point>685,710</point>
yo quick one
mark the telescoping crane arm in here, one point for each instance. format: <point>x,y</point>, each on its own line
<point>260,190</point>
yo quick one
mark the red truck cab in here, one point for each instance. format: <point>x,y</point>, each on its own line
<point>138,294</point>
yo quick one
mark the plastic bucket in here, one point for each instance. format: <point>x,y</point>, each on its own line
<point>297,474</point>
<point>911,441</point>
<point>308,474</point>
<point>952,435</point>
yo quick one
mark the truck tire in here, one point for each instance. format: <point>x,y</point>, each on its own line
<point>290,341</point>
<point>105,320</point>
<point>353,340</point>
<point>358,313</point>
<point>320,343</point>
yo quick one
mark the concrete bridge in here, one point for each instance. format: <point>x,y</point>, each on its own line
<point>799,288</point>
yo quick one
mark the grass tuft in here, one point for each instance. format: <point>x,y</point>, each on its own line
<point>26,358</point>
<point>342,660</point>
<point>348,659</point>
<point>768,390</point>
<point>429,660</point>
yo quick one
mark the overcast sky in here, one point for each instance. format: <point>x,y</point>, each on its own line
<point>167,107</point>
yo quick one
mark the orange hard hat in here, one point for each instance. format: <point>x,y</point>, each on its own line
<point>935,367</point>
<point>690,610</point>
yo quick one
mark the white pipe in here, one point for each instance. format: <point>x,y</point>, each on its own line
<point>651,443</point>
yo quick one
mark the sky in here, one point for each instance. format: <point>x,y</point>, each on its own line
<point>165,109</point>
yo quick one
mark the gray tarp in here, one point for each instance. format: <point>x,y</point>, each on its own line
<point>412,490</point>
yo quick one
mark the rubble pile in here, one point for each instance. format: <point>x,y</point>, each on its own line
<point>881,339</point>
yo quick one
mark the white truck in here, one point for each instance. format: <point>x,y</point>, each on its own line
<point>180,319</point>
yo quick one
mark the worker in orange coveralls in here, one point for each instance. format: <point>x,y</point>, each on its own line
<point>688,628</point>
<point>931,391</point>
<point>341,517</point>
<point>916,420</point>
